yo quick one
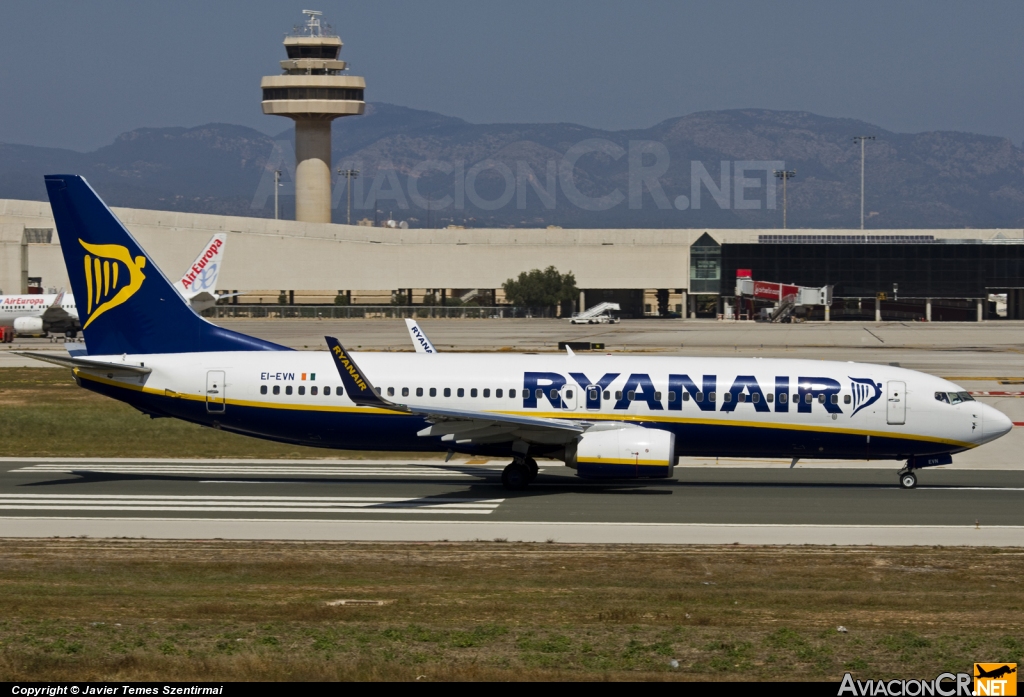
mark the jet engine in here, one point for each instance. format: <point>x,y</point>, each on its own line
<point>623,452</point>
<point>30,326</point>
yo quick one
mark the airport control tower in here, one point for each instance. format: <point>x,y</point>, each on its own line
<point>313,91</point>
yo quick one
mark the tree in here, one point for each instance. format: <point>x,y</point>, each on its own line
<point>546,288</point>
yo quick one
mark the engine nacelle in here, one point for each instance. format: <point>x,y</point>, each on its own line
<point>630,452</point>
<point>32,326</point>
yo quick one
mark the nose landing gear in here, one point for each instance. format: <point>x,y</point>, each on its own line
<point>908,480</point>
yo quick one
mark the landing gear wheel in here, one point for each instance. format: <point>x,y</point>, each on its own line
<point>516,476</point>
<point>532,466</point>
<point>908,480</point>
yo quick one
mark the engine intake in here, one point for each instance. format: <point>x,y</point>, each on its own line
<point>630,452</point>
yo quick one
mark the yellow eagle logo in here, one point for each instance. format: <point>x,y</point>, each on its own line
<point>103,275</point>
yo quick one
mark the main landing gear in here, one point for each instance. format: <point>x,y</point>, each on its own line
<point>519,474</point>
<point>908,480</point>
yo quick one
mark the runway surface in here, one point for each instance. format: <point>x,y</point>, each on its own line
<point>430,500</point>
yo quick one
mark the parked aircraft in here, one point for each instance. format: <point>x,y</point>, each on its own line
<point>604,416</point>
<point>34,314</point>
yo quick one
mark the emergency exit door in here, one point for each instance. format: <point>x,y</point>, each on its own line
<point>896,402</point>
<point>569,397</point>
<point>215,394</point>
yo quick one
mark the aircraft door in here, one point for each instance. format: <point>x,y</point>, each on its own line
<point>896,402</point>
<point>569,395</point>
<point>592,395</point>
<point>215,392</point>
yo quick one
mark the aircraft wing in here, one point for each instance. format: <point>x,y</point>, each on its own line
<point>108,367</point>
<point>56,313</point>
<point>419,339</point>
<point>454,425</point>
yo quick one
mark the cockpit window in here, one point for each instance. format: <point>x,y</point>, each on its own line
<point>954,398</point>
<point>966,396</point>
<point>941,397</point>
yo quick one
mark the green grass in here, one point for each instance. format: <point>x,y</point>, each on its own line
<point>143,610</point>
<point>43,413</point>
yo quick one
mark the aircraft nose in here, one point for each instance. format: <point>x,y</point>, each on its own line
<point>995,423</point>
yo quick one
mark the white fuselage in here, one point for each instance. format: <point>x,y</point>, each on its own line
<point>739,406</point>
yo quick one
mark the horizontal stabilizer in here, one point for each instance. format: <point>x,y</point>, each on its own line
<point>87,363</point>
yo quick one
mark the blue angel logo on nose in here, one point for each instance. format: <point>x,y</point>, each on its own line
<point>865,393</point>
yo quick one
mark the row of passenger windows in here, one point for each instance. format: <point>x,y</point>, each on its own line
<point>313,390</point>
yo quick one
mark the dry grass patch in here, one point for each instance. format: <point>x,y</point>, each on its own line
<point>83,609</point>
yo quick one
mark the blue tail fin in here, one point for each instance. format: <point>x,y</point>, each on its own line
<point>125,303</point>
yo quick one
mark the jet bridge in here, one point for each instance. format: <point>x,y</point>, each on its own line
<point>787,298</point>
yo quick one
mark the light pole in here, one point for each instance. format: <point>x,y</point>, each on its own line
<point>862,139</point>
<point>277,184</point>
<point>785,175</point>
<point>349,175</point>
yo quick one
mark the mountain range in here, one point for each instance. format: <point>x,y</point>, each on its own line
<point>565,174</point>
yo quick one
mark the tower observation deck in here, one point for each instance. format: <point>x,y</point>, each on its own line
<point>313,91</point>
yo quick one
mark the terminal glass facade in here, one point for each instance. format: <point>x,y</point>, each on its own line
<point>705,265</point>
<point>934,269</point>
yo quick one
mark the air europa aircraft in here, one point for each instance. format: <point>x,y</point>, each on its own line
<point>604,416</point>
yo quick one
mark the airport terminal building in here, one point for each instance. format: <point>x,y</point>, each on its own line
<point>901,274</point>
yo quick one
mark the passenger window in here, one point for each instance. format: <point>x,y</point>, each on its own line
<point>770,397</point>
<point>391,392</point>
<point>302,389</point>
<point>783,398</point>
<point>846,399</point>
<point>487,393</point>
<point>539,393</point>
<point>726,397</point>
<point>821,399</point>
<point>498,393</point>
<point>377,390</point>
<point>755,398</point>
<point>568,394</point>
<point>288,389</point>
<point>512,393</point>
<point>472,392</point>
<point>686,396</point>
<point>405,391</point>
<point>699,397</point>
<point>313,390</point>
<point>553,394</point>
<point>327,391</point>
<point>339,391</point>
<point>711,396</point>
<point>808,398</point>
<point>834,399</point>
<point>263,389</point>
<point>277,389</point>
<point>607,395</point>
<point>657,396</point>
<point>618,394</point>
<point>671,396</point>
<point>419,391</point>
<point>433,391</point>
<point>741,397</point>
<point>447,392</point>
<point>592,395</point>
<point>461,392</point>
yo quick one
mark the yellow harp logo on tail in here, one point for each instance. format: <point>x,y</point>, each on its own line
<point>111,277</point>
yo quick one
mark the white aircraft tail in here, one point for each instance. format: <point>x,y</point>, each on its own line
<point>201,276</point>
<point>419,339</point>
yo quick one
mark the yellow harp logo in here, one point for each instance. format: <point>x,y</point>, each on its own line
<point>107,284</point>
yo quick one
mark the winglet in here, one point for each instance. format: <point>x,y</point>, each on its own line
<point>419,339</point>
<point>356,383</point>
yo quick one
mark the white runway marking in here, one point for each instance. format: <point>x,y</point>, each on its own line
<point>265,470</point>
<point>246,504</point>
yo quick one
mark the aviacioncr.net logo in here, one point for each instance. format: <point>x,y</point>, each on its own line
<point>111,277</point>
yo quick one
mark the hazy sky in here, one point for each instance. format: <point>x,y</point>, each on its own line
<point>76,74</point>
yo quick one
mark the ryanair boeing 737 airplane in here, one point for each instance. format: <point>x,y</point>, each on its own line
<point>604,416</point>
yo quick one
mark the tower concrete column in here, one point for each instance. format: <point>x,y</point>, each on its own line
<point>313,92</point>
<point>878,310</point>
<point>313,170</point>
<point>928,310</point>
